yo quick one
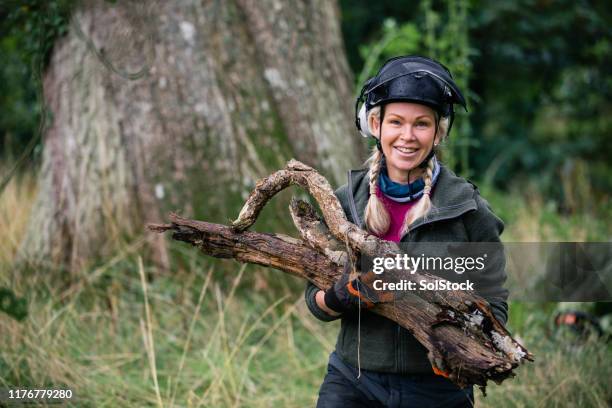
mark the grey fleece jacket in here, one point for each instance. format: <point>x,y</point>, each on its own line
<point>459,214</point>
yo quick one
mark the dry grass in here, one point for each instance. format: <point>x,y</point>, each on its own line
<point>15,204</point>
<point>184,343</point>
<point>529,217</point>
<point>567,372</point>
<point>204,337</point>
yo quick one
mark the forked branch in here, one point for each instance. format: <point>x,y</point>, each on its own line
<point>458,329</point>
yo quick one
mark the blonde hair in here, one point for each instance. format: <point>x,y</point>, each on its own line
<point>377,218</point>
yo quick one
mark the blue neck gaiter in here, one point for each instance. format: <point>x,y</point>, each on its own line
<point>403,193</point>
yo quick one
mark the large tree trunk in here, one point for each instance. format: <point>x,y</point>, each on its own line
<point>169,105</point>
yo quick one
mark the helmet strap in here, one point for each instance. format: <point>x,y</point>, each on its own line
<point>378,141</point>
<point>452,119</point>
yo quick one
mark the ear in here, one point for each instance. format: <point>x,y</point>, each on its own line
<point>374,125</point>
<point>440,134</point>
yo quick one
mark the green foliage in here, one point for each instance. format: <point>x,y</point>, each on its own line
<point>535,74</point>
<point>37,24</point>
<point>28,32</point>
<point>545,90</point>
<point>530,216</point>
<point>11,305</point>
<point>446,39</point>
<point>442,36</point>
<point>395,40</point>
<point>19,111</point>
<point>536,79</point>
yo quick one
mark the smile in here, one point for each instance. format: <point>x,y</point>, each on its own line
<point>405,150</point>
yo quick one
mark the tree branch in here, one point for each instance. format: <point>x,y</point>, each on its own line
<point>458,329</point>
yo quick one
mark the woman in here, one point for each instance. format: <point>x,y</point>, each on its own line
<point>405,195</point>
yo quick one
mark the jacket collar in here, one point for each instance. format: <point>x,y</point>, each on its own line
<point>451,197</point>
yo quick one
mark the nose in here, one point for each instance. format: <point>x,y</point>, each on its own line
<point>407,132</point>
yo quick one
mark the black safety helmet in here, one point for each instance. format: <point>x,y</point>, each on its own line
<point>410,78</point>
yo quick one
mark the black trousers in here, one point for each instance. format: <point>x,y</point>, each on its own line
<point>421,391</point>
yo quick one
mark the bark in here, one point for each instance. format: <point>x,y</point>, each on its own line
<point>162,105</point>
<point>458,328</point>
<point>278,251</point>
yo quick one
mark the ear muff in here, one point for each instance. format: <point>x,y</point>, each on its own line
<point>361,114</point>
<point>362,120</point>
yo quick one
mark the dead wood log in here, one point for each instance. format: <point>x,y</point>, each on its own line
<point>457,328</point>
<point>278,251</point>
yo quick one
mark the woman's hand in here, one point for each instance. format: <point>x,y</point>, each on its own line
<point>350,294</point>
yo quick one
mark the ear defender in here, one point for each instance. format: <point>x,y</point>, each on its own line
<point>362,122</point>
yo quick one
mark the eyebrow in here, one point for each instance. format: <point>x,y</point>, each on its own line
<point>418,117</point>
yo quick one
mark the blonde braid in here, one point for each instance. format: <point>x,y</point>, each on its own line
<point>376,216</point>
<point>423,206</point>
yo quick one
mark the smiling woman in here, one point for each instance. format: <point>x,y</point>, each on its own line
<point>410,133</point>
<point>408,108</point>
<point>405,150</point>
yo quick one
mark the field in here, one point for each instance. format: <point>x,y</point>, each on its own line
<point>220,334</point>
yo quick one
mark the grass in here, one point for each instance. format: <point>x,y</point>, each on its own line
<point>188,340</point>
<point>530,218</point>
<point>217,334</point>
<point>15,203</point>
<point>567,372</point>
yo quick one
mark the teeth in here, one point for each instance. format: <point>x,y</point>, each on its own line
<point>405,149</point>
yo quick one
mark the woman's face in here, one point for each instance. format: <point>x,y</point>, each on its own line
<point>408,134</point>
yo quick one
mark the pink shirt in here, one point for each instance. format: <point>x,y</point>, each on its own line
<point>397,212</point>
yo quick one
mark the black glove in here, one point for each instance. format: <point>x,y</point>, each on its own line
<point>350,294</point>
